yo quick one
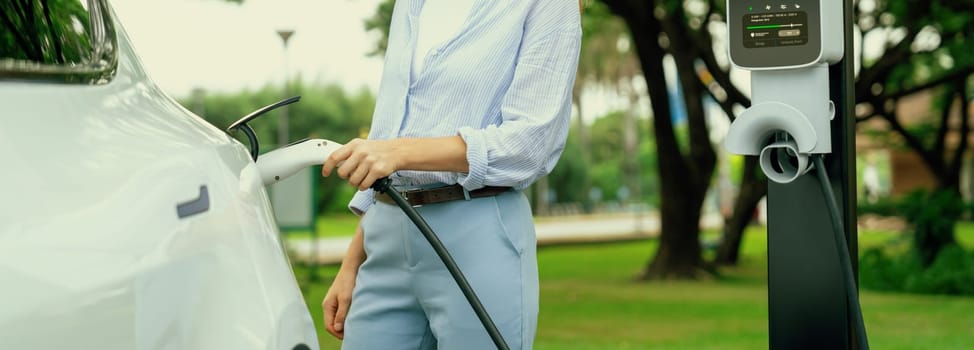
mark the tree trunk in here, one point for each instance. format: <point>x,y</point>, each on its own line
<point>753,188</point>
<point>541,196</point>
<point>679,254</point>
<point>630,146</point>
<point>683,180</point>
<point>583,143</point>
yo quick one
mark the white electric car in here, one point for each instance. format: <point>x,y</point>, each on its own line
<point>126,222</point>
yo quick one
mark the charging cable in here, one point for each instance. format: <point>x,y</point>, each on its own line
<point>384,185</point>
<point>852,295</point>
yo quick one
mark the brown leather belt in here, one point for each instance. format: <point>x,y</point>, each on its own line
<point>441,194</point>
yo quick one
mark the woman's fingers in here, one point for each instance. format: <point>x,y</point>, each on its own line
<point>360,174</point>
<point>329,307</point>
<point>370,179</point>
<point>336,158</point>
<point>351,163</point>
<point>344,301</point>
<point>361,162</point>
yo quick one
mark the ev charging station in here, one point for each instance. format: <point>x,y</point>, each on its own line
<point>801,125</point>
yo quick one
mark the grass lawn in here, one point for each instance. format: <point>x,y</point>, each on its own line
<point>588,301</point>
<point>331,225</point>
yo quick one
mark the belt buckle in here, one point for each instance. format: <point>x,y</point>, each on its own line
<point>405,196</point>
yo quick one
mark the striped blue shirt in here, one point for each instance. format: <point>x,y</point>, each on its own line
<point>503,83</point>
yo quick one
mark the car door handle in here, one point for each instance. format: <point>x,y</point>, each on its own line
<point>196,206</point>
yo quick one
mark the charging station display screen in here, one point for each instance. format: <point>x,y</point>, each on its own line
<point>775,29</point>
<point>775,33</point>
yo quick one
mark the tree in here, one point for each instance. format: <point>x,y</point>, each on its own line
<point>682,30</point>
<point>926,49</point>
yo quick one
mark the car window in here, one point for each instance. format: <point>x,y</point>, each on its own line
<point>68,40</point>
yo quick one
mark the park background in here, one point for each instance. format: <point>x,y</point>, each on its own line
<point>654,97</point>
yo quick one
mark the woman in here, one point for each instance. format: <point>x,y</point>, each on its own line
<point>474,106</point>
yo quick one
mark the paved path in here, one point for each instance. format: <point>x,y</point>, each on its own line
<point>550,230</point>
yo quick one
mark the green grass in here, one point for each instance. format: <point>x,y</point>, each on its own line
<point>589,301</point>
<point>331,225</point>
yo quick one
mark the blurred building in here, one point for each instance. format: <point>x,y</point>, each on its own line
<point>901,169</point>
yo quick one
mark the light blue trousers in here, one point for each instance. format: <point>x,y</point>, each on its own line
<point>404,296</point>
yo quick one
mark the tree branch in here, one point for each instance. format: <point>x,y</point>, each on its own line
<point>965,130</point>
<point>934,162</point>
<point>893,56</point>
<point>868,117</point>
<point>726,105</point>
<point>941,140</point>
<point>960,73</point>
<point>704,44</point>
<point>702,153</point>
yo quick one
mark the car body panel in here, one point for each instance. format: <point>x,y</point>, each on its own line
<point>92,252</point>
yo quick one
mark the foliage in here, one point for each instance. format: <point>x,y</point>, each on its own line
<point>883,207</point>
<point>569,177</point>
<point>607,137</point>
<point>935,34</point>
<point>952,272</point>
<point>45,31</point>
<point>608,162</point>
<point>380,22</point>
<point>928,261</point>
<point>605,170</point>
<point>606,56</point>
<point>924,49</point>
<point>326,111</point>
<point>933,216</point>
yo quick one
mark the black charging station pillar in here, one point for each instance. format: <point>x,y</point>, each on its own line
<point>806,298</point>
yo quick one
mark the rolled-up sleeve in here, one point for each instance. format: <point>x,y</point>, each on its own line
<point>362,201</point>
<point>536,109</point>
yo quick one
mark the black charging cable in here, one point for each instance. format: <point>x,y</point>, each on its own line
<point>384,185</point>
<point>852,295</point>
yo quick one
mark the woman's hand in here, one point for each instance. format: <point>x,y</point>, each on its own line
<point>337,301</point>
<point>339,297</point>
<point>362,162</point>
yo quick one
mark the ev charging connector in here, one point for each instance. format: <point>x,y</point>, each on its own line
<point>788,48</point>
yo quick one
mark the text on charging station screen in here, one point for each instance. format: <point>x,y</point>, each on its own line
<point>775,29</point>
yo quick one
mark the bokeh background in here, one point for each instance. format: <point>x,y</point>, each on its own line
<point>654,97</point>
